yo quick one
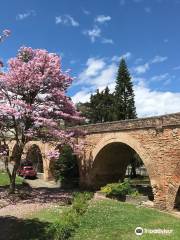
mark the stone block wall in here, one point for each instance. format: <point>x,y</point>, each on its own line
<point>156,140</point>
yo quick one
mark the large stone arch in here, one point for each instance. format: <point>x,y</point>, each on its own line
<point>156,178</point>
<point>132,143</point>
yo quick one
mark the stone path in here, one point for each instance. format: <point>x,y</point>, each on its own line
<point>20,210</point>
<point>36,195</point>
<point>40,183</point>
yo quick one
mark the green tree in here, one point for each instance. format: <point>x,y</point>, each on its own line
<point>100,108</point>
<point>124,105</point>
<point>107,106</point>
<point>124,94</point>
<point>66,168</point>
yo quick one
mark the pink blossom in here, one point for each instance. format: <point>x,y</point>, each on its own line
<point>33,97</point>
<point>53,155</point>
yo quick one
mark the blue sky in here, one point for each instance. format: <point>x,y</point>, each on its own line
<point>92,36</point>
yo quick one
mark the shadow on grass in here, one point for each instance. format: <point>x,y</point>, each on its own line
<point>12,228</point>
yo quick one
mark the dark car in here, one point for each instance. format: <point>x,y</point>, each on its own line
<point>27,172</point>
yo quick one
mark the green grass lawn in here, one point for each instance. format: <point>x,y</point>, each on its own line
<point>48,215</point>
<point>112,220</point>
<point>4,179</point>
<point>109,219</point>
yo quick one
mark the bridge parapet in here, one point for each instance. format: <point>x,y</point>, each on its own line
<point>159,122</point>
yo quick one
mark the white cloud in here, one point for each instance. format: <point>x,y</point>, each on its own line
<point>107,76</point>
<point>93,68</point>
<point>93,33</point>
<point>66,20</point>
<point>82,96</point>
<point>22,16</point>
<point>160,77</point>
<point>151,103</point>
<point>126,56</point>
<point>166,78</point>
<point>159,59</point>
<point>146,66</point>
<point>102,19</point>
<point>99,73</point>
<point>107,41</point>
<point>138,60</point>
<point>141,68</point>
<point>148,102</point>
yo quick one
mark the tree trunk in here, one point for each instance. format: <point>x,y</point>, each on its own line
<point>12,185</point>
<point>17,160</point>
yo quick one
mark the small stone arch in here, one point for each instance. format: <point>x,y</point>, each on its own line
<point>34,156</point>
<point>44,148</point>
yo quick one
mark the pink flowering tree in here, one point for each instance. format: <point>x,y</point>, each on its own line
<point>34,105</point>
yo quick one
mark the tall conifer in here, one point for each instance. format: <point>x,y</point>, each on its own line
<point>124,94</point>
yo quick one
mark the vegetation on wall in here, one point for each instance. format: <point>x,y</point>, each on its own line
<point>65,168</point>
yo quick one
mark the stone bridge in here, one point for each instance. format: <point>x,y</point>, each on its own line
<point>110,146</point>
<point>36,151</point>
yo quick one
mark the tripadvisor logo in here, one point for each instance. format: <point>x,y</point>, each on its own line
<point>139,231</point>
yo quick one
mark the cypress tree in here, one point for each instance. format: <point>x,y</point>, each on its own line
<point>124,94</point>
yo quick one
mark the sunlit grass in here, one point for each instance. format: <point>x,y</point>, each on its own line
<point>4,179</point>
<point>109,219</point>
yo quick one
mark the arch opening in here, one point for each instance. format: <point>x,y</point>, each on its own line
<point>35,158</point>
<point>177,200</point>
<point>114,162</point>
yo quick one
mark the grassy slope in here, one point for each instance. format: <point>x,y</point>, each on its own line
<point>48,215</point>
<point>112,220</point>
<point>4,180</point>
<point>109,219</point>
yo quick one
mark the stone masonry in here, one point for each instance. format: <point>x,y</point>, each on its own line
<point>156,140</point>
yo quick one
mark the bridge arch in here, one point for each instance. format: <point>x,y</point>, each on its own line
<point>125,142</point>
<point>125,138</point>
<point>35,156</point>
<point>44,148</point>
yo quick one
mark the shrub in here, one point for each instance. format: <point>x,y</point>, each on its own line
<point>65,227</point>
<point>118,189</point>
<point>65,168</point>
<point>80,202</point>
